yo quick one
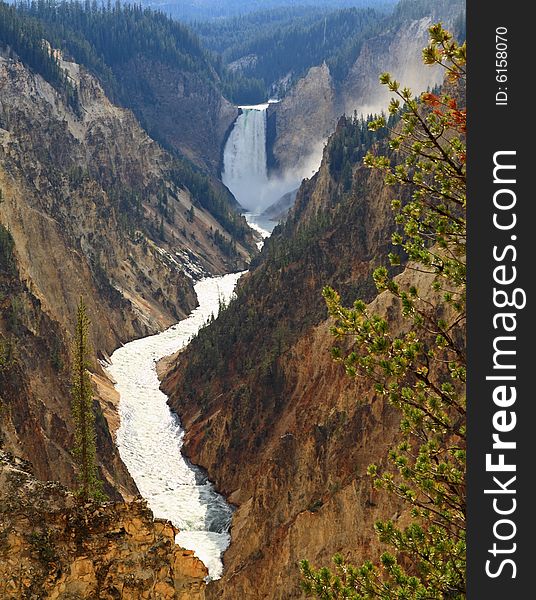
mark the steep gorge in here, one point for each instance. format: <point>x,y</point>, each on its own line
<point>285,435</point>
<point>91,202</point>
<point>91,205</point>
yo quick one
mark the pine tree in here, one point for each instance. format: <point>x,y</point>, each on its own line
<point>190,214</point>
<point>90,487</point>
<point>421,372</point>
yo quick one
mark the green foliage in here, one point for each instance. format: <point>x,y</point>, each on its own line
<point>421,372</point>
<point>418,9</point>
<point>7,245</point>
<point>243,90</point>
<point>103,38</point>
<point>43,547</point>
<point>190,214</point>
<point>10,303</point>
<point>85,452</point>
<point>315,506</point>
<point>285,250</point>
<point>228,247</point>
<point>353,140</point>
<point>223,36</point>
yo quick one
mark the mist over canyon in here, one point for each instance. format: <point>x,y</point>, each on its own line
<point>272,147</point>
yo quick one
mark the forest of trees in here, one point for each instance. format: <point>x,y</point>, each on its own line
<point>269,41</point>
<point>290,41</point>
<point>216,201</point>
<point>267,45</point>
<point>8,270</point>
<point>214,10</point>
<point>225,36</point>
<point>85,445</point>
<point>102,37</point>
<point>347,148</point>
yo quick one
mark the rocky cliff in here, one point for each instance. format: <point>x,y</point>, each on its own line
<point>303,120</point>
<point>91,206</point>
<point>182,110</point>
<point>53,547</point>
<point>284,433</point>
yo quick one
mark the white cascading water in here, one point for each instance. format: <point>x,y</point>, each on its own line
<point>244,158</point>
<point>245,170</point>
<point>150,436</point>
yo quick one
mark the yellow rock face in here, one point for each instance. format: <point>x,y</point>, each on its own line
<point>52,548</point>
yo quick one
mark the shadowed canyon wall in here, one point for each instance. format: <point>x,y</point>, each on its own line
<point>91,206</point>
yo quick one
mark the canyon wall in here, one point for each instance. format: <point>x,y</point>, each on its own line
<point>182,110</point>
<point>281,429</point>
<point>302,122</point>
<point>93,207</point>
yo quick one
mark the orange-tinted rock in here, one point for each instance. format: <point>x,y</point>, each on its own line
<point>51,547</point>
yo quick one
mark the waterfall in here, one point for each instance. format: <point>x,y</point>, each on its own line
<point>245,170</point>
<point>244,158</point>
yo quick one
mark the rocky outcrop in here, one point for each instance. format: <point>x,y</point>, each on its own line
<point>281,429</point>
<point>94,207</point>
<point>53,547</point>
<point>302,121</point>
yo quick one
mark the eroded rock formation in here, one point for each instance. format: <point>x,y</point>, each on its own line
<point>53,547</point>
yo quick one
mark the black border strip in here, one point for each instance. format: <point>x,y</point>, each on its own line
<point>497,127</point>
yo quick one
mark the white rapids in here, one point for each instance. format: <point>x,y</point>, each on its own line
<point>150,436</point>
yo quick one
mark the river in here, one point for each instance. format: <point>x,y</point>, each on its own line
<point>150,436</point>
